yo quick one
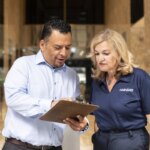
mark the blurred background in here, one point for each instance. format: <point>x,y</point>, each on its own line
<point>21,22</point>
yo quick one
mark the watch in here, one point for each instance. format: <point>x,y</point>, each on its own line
<point>86,127</point>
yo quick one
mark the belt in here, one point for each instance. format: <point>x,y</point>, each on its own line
<point>18,142</point>
<point>121,130</point>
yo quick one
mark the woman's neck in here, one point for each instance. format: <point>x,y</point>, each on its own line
<point>110,79</point>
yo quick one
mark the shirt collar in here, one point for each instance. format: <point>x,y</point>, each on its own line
<point>125,78</point>
<point>39,59</point>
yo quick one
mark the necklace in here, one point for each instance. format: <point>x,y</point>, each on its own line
<point>108,82</point>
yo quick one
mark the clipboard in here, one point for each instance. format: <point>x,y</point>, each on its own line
<point>68,109</point>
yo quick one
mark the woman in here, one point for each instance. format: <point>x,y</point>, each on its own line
<point>123,93</point>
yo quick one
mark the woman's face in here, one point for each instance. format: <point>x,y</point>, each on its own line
<point>106,57</point>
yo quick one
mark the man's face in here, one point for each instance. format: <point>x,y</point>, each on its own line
<point>56,49</point>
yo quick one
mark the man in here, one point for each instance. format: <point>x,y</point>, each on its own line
<point>34,85</point>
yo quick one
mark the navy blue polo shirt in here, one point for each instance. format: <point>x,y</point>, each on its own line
<point>126,105</point>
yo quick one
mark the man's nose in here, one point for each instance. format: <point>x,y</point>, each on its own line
<point>63,51</point>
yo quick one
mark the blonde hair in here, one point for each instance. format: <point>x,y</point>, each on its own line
<point>125,60</point>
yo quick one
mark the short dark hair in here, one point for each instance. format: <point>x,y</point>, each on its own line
<point>54,24</point>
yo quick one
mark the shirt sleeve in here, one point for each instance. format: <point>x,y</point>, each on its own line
<point>16,92</point>
<point>145,93</point>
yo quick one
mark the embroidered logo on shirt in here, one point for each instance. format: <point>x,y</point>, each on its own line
<point>126,90</point>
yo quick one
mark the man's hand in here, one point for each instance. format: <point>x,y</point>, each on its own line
<point>77,125</point>
<point>54,102</point>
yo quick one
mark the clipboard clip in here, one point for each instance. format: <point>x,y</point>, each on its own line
<point>80,99</point>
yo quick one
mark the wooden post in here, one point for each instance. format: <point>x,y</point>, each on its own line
<point>13,24</point>
<point>117,16</point>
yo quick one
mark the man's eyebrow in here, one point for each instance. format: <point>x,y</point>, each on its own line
<point>69,45</point>
<point>62,45</point>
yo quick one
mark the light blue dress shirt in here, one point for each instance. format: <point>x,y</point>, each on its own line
<point>30,86</point>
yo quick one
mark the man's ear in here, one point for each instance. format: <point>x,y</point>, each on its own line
<point>42,45</point>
